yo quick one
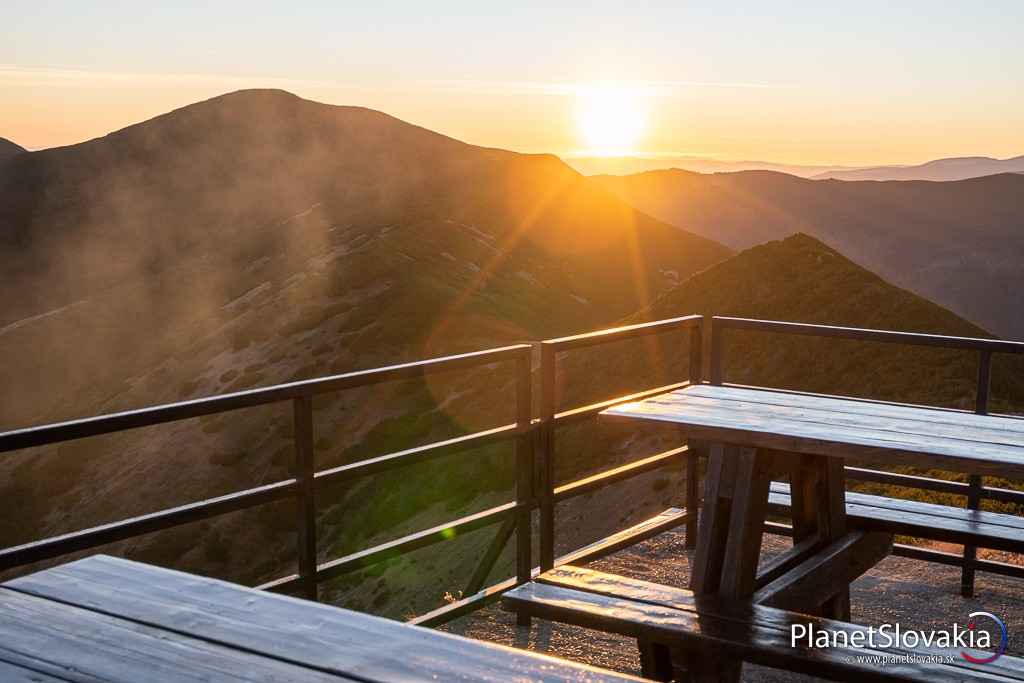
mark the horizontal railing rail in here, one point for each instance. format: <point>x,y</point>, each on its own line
<point>307,480</point>
<point>173,412</point>
<point>310,484</point>
<point>974,490</point>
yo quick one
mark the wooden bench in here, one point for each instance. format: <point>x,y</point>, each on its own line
<point>678,630</point>
<point>921,520</point>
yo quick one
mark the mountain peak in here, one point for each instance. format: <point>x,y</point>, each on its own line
<point>9,149</point>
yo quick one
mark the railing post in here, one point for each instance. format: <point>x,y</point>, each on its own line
<point>524,473</point>
<point>974,483</point>
<point>697,353</point>
<point>692,469</point>
<point>717,344</point>
<point>306,503</point>
<point>546,442</point>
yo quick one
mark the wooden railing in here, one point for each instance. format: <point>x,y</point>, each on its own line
<point>973,490</point>
<point>534,442</point>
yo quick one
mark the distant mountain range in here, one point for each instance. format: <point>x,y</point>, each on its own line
<point>625,165</point>
<point>957,243</point>
<point>959,168</point>
<point>940,170</point>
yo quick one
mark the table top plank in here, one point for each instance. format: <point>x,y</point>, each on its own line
<point>84,646</point>
<point>925,434</point>
<point>921,421</point>
<point>292,630</point>
<point>753,422</point>
<point>12,673</point>
<point>861,406</point>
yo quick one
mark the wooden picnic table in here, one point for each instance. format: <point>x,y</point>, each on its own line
<point>754,434</point>
<point>107,619</point>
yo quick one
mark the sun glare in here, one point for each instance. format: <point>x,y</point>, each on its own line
<point>610,119</point>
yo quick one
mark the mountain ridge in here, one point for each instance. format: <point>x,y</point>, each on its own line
<point>946,169</point>
<point>9,149</point>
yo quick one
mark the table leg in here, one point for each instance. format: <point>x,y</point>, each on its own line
<point>833,524</point>
<point>746,523</point>
<point>731,525</point>
<point>818,490</point>
<point>714,521</point>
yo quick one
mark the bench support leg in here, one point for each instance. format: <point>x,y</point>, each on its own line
<point>655,661</point>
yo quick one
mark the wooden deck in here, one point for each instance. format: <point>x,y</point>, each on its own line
<point>765,429</point>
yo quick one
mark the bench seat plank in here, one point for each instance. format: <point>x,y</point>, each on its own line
<point>924,520</point>
<point>756,633</point>
<point>328,638</point>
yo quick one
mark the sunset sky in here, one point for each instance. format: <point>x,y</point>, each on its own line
<point>833,83</point>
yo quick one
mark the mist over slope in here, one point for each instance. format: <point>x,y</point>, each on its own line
<point>957,243</point>
<point>134,247</point>
<point>955,168</point>
<point>256,239</point>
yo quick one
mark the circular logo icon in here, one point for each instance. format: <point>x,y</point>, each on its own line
<point>1004,638</point>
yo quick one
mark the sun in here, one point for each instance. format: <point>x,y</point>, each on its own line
<point>611,119</point>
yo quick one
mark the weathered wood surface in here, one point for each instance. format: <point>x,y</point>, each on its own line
<point>924,520</point>
<point>722,629</point>
<point>844,428</point>
<point>84,645</point>
<point>826,574</point>
<point>199,619</point>
<point>12,673</point>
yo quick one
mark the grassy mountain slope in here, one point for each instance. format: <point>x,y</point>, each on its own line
<point>957,243</point>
